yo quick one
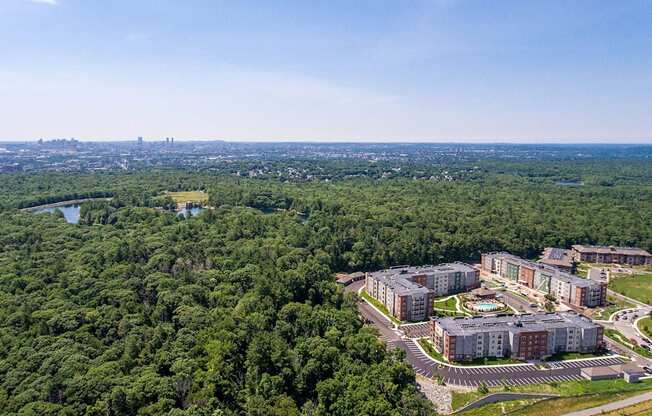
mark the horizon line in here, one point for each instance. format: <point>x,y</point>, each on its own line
<point>647,141</point>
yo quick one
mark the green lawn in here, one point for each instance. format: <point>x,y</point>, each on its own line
<point>379,306</point>
<point>582,270</point>
<point>459,399</point>
<point>615,305</point>
<point>500,408</point>
<point>576,395</point>
<point>641,409</point>
<point>440,313</point>
<point>575,355</point>
<point>191,196</point>
<point>565,405</point>
<point>491,361</point>
<point>622,340</point>
<point>430,349</point>
<point>645,326</point>
<point>447,304</point>
<point>446,307</point>
<point>636,286</point>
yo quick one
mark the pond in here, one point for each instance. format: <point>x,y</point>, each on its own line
<point>569,183</point>
<point>70,212</point>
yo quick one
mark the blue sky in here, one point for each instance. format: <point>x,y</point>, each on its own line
<point>419,71</point>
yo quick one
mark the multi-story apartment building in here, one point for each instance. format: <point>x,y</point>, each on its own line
<point>525,337</point>
<point>557,257</point>
<point>604,254</point>
<point>564,286</point>
<point>408,292</point>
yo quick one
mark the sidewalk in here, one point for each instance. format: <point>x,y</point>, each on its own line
<point>609,407</point>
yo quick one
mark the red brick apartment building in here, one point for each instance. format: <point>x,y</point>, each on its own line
<point>525,337</point>
<point>610,254</point>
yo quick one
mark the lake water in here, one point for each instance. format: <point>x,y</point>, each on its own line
<point>70,212</point>
<point>190,212</point>
<point>569,183</point>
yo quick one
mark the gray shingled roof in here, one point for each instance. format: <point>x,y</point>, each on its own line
<point>512,323</point>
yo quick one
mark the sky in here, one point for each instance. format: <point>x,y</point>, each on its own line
<point>413,71</point>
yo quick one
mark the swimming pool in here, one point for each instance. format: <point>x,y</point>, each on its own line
<point>486,306</point>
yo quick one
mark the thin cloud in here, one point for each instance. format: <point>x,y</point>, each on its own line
<point>48,2</point>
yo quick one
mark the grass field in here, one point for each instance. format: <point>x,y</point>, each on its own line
<point>191,196</point>
<point>645,326</point>
<point>447,304</point>
<point>501,408</point>
<point>446,307</point>
<point>574,355</point>
<point>430,350</point>
<point>565,405</point>
<point>640,409</point>
<point>636,286</point>
<point>582,270</point>
<point>576,395</point>
<point>622,340</point>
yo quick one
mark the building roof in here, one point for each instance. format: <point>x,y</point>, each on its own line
<point>429,269</point>
<point>553,271</point>
<point>396,277</point>
<point>344,278</point>
<point>631,368</point>
<point>613,371</point>
<point>513,323</point>
<point>557,257</point>
<point>627,251</point>
<point>398,283</point>
<point>483,291</point>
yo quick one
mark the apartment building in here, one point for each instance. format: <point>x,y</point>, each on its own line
<point>558,257</point>
<point>525,337</point>
<point>408,292</point>
<point>564,286</point>
<point>610,254</point>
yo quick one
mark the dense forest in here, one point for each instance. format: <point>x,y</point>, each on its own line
<point>235,311</point>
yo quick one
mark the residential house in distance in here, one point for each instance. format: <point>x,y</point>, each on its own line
<point>524,337</point>
<point>564,286</point>
<point>610,254</point>
<point>408,292</point>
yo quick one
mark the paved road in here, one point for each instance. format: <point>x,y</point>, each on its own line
<point>516,302</point>
<point>609,407</point>
<point>497,375</point>
<point>490,376</point>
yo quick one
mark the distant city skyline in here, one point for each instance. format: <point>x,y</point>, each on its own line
<point>425,71</point>
<point>647,142</point>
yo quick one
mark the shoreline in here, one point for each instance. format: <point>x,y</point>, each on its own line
<point>64,203</point>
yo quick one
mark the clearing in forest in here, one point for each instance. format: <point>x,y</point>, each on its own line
<point>200,197</point>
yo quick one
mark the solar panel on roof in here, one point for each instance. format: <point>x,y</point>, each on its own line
<point>557,254</point>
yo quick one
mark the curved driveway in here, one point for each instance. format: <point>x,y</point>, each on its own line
<point>474,376</point>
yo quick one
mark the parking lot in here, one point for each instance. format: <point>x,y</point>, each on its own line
<point>470,376</point>
<point>501,374</point>
<point>418,330</point>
